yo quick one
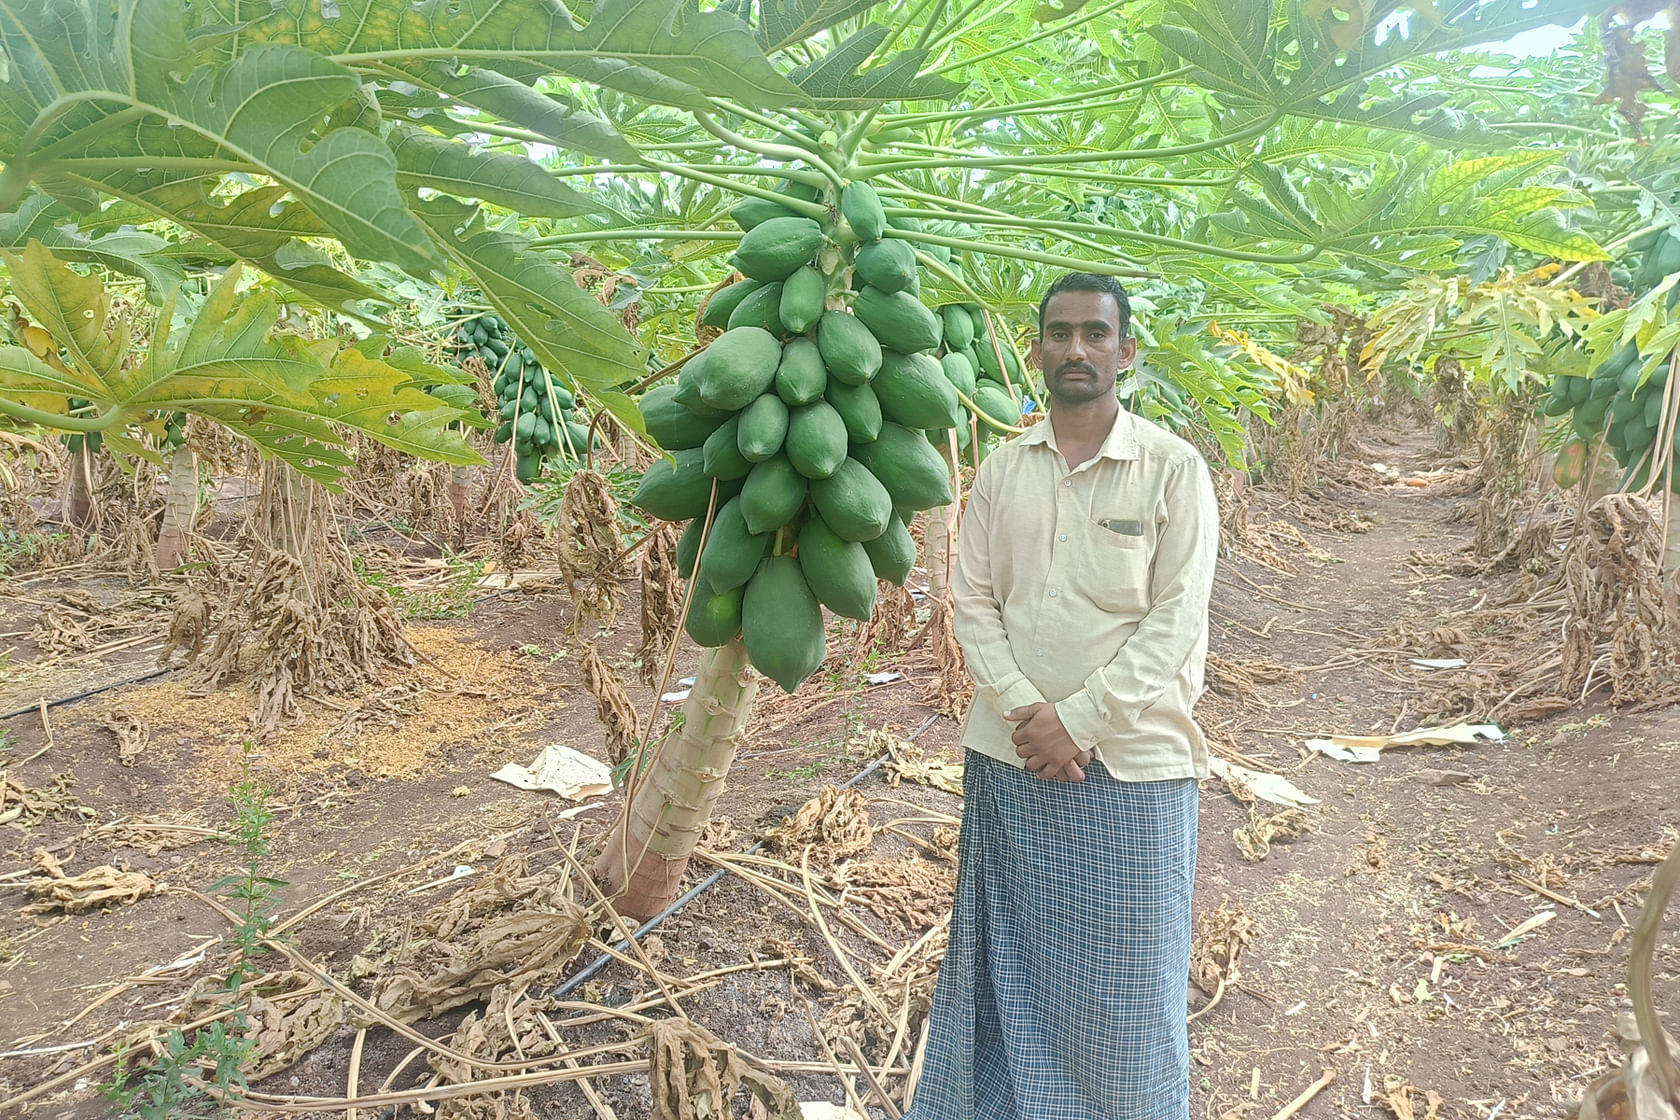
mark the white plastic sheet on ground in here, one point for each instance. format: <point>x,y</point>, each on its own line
<point>560,769</point>
<point>1369,748</point>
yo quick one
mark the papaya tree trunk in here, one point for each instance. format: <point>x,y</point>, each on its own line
<point>78,489</point>
<point>460,496</point>
<point>180,509</point>
<point>939,542</point>
<point>649,847</point>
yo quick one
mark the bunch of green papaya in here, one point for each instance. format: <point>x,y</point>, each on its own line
<point>1614,400</point>
<point>815,414</point>
<point>537,412</point>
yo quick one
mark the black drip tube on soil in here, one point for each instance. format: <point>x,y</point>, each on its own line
<point>585,974</point>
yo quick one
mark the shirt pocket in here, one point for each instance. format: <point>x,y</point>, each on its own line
<point>1114,563</point>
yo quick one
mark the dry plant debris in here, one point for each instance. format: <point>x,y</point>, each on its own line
<point>132,735</point>
<point>189,627</point>
<point>459,692</point>
<point>290,1014</point>
<point>25,805</point>
<point>508,928</point>
<point>908,892</point>
<point>97,887</point>
<point>1255,839</point>
<point>612,704</point>
<point>1613,574</point>
<point>509,1026</point>
<point>591,553</point>
<point>888,628</point>
<point>695,1076</point>
<point>953,690</point>
<point>835,824</point>
<point>318,626</point>
<point>1397,1095</point>
<point>1237,678</point>
<point>662,596</point>
<point>1216,954</point>
<point>909,763</point>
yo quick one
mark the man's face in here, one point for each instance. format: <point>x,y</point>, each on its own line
<point>1080,350</point>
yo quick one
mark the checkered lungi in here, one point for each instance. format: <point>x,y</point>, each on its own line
<point>1063,992</point>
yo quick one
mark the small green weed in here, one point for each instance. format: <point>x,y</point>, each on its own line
<point>174,1082</point>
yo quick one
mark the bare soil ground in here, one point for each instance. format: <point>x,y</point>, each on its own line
<point>1379,944</point>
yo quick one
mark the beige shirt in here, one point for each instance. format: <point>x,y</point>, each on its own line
<point>1089,588</point>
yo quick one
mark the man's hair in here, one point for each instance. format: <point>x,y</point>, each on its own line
<point>1089,282</point>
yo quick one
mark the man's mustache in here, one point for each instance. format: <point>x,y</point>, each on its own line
<point>1076,367</point>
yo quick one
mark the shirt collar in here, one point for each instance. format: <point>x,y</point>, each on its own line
<point>1121,443</point>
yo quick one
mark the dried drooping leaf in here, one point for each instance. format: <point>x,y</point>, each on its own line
<point>508,1027</point>
<point>1255,839</point>
<point>132,735</point>
<point>592,555</point>
<point>612,703</point>
<point>907,892</point>
<point>1216,953</point>
<point>889,626</point>
<point>1613,578</point>
<point>189,627</point>
<point>54,891</point>
<point>1627,73</point>
<point>508,928</point>
<point>662,596</point>
<point>835,823</point>
<point>284,1029</point>
<point>22,803</point>
<point>1397,1095</point>
<point>910,763</point>
<point>953,688</point>
<point>695,1076</point>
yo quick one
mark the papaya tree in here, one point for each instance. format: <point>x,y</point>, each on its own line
<point>1243,151</point>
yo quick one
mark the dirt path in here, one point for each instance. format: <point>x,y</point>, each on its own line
<point>1375,946</point>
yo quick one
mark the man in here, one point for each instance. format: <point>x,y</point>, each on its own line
<point>1081,591</point>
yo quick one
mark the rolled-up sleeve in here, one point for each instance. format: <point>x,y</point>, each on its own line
<point>978,615</point>
<point>1181,580</point>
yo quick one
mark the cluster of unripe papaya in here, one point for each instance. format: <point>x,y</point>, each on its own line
<point>814,417</point>
<point>1617,399</point>
<point>537,413</point>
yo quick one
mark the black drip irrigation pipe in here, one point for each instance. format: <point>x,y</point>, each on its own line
<point>155,673</point>
<point>589,971</point>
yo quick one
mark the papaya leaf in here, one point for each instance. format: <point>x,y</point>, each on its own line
<point>782,23</point>
<point>286,394</point>
<point>567,328</point>
<point>72,308</point>
<point>129,251</point>
<point>454,168</point>
<point>516,103</point>
<point>259,112</point>
<point>690,50</point>
<point>837,80</point>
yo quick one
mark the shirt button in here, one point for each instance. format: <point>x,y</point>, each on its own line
<point>1067,482</point>
<point>1063,537</point>
<point>1040,653</point>
<point>1052,593</point>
